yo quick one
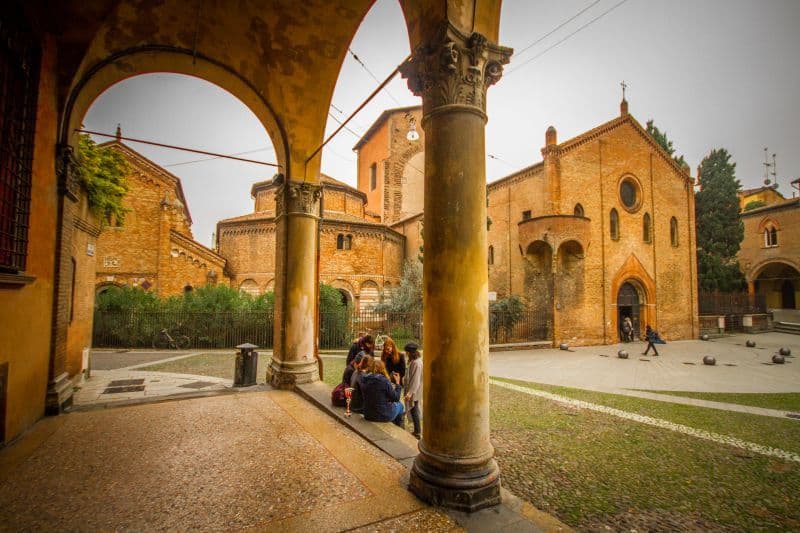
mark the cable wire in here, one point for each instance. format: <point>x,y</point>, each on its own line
<point>551,32</point>
<point>217,157</point>
<point>543,52</point>
<point>358,60</point>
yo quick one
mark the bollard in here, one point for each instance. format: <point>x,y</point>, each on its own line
<point>246,365</point>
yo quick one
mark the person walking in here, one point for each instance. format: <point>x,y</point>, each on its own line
<point>413,386</point>
<point>652,338</point>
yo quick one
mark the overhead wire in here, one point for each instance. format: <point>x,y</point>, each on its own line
<point>358,60</point>
<point>266,148</point>
<point>543,52</point>
<point>551,32</point>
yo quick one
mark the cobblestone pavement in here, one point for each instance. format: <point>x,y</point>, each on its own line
<point>109,386</point>
<point>265,460</point>
<point>679,367</point>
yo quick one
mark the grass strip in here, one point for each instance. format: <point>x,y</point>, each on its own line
<point>767,431</point>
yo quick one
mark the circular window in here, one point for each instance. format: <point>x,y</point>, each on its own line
<point>629,194</point>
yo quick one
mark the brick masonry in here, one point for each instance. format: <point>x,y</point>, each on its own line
<point>154,248</point>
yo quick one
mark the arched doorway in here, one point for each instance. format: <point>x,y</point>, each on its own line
<point>777,284</point>
<point>629,304</point>
<point>788,300</point>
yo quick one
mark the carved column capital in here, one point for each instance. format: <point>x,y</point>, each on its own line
<point>455,69</point>
<point>298,198</point>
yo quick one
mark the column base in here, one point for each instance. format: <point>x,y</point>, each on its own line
<point>454,484</point>
<point>287,374</point>
<point>59,395</point>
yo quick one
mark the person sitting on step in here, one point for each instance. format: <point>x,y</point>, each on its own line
<point>381,396</point>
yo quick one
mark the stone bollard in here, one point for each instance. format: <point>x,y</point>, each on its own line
<point>785,351</point>
<point>709,360</point>
<point>246,365</point>
<point>563,346</point>
<point>704,337</point>
<point>622,354</point>
<point>778,359</point>
<point>750,344</point>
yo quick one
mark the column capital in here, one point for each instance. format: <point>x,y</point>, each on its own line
<point>294,198</point>
<point>455,69</point>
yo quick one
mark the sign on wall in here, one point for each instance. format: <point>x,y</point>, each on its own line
<point>111,262</point>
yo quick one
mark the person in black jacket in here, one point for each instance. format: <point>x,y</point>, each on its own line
<point>393,358</point>
<point>382,397</point>
<point>364,344</point>
<point>652,338</point>
<point>357,383</point>
<point>351,368</point>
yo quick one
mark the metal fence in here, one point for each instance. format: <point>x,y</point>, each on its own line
<point>731,303</point>
<point>139,329</point>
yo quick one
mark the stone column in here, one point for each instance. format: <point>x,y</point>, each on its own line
<point>297,215</point>
<point>455,467</point>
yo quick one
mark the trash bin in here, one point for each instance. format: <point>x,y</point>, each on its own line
<point>246,365</point>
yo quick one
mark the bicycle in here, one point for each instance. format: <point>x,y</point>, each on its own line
<point>163,340</point>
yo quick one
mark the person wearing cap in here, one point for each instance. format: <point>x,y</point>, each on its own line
<point>413,385</point>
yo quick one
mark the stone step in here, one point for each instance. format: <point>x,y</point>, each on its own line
<point>532,345</point>
<point>787,327</point>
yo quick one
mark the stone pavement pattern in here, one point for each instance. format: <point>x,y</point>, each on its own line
<point>100,388</point>
<point>586,368</point>
<point>265,460</point>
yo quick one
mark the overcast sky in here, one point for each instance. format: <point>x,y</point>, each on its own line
<point>712,73</point>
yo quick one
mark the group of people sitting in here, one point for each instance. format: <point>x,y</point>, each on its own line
<point>385,388</point>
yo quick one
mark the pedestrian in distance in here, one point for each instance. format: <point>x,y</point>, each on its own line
<point>652,339</point>
<point>627,329</point>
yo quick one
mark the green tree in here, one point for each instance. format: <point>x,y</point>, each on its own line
<point>407,298</point>
<point>755,204</point>
<point>103,172</point>
<point>662,140</point>
<point>504,314</point>
<point>124,299</point>
<point>330,299</point>
<point>719,229</point>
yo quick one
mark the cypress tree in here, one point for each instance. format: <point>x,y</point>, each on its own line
<point>719,229</point>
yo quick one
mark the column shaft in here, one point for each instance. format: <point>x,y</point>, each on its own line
<point>294,358</point>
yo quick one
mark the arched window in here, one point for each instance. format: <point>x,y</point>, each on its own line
<point>646,228</point>
<point>188,289</point>
<point>578,210</point>
<point>491,255</point>
<point>340,242</point>
<point>348,242</point>
<point>614,224</point>
<point>770,237</point>
<point>673,231</point>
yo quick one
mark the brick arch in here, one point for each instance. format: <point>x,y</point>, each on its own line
<point>632,271</point>
<point>756,270</point>
<point>369,294</point>
<point>768,222</point>
<point>393,178</point>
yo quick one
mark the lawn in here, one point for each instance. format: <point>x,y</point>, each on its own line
<point>784,401</point>
<point>596,471</point>
<point>767,431</point>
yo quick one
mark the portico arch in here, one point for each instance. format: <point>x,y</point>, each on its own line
<point>778,282</point>
<point>152,59</point>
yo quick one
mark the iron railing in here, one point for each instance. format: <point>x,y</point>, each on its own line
<point>731,303</point>
<point>138,329</point>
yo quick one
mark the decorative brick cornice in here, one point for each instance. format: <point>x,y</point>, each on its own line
<point>196,248</point>
<point>86,226</point>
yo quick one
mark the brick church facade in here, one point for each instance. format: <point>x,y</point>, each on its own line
<point>600,229</point>
<point>154,248</point>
